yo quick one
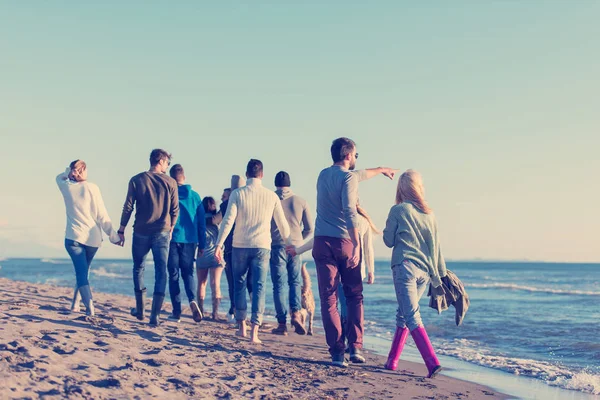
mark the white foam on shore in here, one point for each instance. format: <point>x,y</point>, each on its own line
<point>50,261</point>
<point>512,286</point>
<point>107,274</point>
<point>552,374</point>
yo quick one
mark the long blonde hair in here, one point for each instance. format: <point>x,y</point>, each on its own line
<point>366,216</point>
<point>77,168</point>
<point>411,189</point>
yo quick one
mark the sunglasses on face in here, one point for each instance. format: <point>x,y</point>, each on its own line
<point>356,155</point>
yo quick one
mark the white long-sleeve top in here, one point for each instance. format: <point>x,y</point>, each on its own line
<point>86,214</point>
<point>251,208</point>
<point>365,234</point>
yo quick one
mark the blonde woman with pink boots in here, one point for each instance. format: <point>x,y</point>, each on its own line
<point>411,230</point>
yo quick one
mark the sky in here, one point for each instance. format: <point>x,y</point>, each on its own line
<point>495,103</point>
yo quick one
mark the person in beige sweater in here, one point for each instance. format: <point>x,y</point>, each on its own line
<point>251,208</point>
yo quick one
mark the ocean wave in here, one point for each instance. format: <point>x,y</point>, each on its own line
<point>107,274</point>
<point>583,380</point>
<point>51,261</point>
<point>115,265</point>
<point>513,286</point>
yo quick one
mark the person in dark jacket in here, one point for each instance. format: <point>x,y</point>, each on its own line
<point>156,200</point>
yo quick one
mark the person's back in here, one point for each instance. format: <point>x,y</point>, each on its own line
<point>297,214</point>
<point>336,202</point>
<point>188,236</point>
<point>251,208</point>
<point>417,261</point>
<point>156,200</point>
<point>86,219</point>
<point>285,270</point>
<point>413,235</point>
<point>191,215</point>
<point>83,210</point>
<point>255,210</point>
<point>154,195</point>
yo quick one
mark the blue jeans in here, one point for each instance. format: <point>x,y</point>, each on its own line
<point>257,261</point>
<point>181,262</point>
<point>82,257</point>
<point>140,247</point>
<point>229,273</point>
<point>282,267</point>
<point>410,283</point>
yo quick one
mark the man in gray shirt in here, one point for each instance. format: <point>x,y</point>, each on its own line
<point>300,221</point>
<point>337,249</point>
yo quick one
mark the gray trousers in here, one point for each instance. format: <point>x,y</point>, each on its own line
<point>410,283</point>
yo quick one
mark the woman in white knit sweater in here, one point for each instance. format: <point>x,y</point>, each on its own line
<point>86,219</point>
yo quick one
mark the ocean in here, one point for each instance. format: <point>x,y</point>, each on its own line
<point>532,330</point>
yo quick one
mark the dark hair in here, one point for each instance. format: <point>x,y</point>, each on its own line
<point>227,190</point>
<point>207,202</point>
<point>176,172</point>
<point>282,179</point>
<point>254,168</point>
<point>340,148</point>
<point>157,155</point>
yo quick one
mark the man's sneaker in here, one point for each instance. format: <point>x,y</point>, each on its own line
<point>280,330</point>
<point>196,313</point>
<point>174,318</point>
<point>357,357</point>
<point>339,360</point>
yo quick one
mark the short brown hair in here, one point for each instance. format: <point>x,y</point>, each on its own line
<point>254,168</point>
<point>157,155</point>
<point>340,148</point>
<point>177,172</point>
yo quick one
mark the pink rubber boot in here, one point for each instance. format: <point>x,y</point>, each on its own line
<point>426,350</point>
<point>397,346</point>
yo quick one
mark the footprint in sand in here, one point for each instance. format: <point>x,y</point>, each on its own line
<point>63,352</point>
<point>151,352</point>
<point>151,362</point>
<point>51,392</point>
<point>179,384</point>
<point>100,343</point>
<point>106,383</point>
<point>48,308</point>
<point>48,338</point>
<point>28,365</point>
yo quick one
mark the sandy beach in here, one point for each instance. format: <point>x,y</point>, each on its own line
<point>48,352</point>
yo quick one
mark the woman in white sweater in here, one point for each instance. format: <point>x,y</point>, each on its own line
<point>86,219</point>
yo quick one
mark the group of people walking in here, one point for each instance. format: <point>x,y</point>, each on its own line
<point>256,229</point>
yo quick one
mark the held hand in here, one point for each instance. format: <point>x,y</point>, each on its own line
<point>121,241</point>
<point>354,260</point>
<point>199,253</point>
<point>389,172</point>
<point>219,254</point>
<point>291,250</point>
<point>371,278</point>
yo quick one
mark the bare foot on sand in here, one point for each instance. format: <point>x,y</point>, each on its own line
<point>254,334</point>
<point>241,332</point>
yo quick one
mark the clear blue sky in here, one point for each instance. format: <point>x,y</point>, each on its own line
<point>495,102</point>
